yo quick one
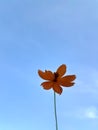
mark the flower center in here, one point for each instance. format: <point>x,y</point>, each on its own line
<point>56,76</point>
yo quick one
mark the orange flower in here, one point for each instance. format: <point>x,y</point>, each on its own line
<point>57,79</point>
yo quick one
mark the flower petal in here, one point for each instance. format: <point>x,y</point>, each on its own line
<point>47,85</point>
<point>67,84</point>
<point>47,75</point>
<point>61,70</point>
<point>69,77</point>
<point>67,80</point>
<point>57,88</point>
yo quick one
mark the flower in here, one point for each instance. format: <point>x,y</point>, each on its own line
<point>56,79</point>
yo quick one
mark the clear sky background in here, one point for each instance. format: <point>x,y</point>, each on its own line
<point>43,34</point>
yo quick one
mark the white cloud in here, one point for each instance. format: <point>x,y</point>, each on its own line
<point>88,113</point>
<point>82,113</point>
<point>91,113</point>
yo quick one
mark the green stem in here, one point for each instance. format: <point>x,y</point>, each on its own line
<point>55,111</point>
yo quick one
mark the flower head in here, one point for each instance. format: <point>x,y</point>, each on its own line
<point>56,79</point>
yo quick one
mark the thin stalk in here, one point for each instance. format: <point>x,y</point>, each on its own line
<point>56,122</point>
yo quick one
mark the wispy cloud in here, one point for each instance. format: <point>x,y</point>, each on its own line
<point>89,83</point>
<point>91,113</point>
<point>82,113</point>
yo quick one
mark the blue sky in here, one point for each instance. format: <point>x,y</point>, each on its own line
<point>43,35</point>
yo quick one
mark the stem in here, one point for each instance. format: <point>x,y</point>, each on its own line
<point>55,111</point>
